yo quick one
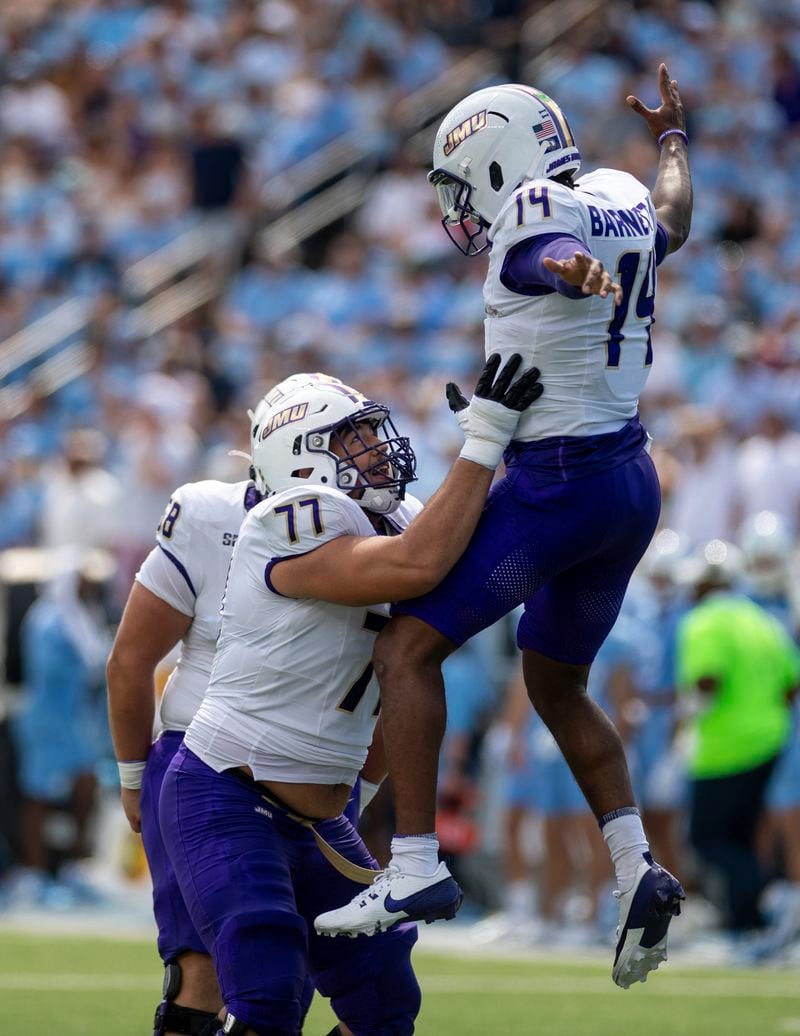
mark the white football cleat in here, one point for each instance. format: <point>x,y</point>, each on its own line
<point>392,897</point>
<point>645,912</point>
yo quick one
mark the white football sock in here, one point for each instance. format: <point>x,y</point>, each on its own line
<point>627,843</point>
<point>416,854</point>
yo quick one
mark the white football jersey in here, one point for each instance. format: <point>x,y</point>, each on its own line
<point>188,569</point>
<point>291,693</point>
<point>594,357</point>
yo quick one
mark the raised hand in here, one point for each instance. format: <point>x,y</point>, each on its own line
<point>669,115</point>
<point>587,273</point>
<point>495,387</point>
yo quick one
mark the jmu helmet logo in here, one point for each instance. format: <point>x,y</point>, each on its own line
<point>284,417</point>
<point>463,130</point>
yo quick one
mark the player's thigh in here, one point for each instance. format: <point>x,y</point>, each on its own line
<point>229,853</point>
<point>508,558</point>
<point>176,931</point>
<point>571,615</point>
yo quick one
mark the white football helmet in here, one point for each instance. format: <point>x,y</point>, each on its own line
<point>293,430</point>
<point>487,146</point>
<point>767,546</point>
<point>278,392</point>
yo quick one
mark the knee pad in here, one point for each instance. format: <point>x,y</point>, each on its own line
<point>261,958</point>
<point>172,1017</point>
<point>173,977</point>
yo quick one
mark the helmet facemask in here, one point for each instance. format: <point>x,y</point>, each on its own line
<point>454,201</point>
<point>382,482</point>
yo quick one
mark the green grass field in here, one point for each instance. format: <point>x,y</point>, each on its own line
<point>82,986</point>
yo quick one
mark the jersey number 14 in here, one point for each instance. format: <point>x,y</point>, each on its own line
<point>623,323</point>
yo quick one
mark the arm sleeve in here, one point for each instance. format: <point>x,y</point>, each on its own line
<point>524,271</point>
<point>163,577</point>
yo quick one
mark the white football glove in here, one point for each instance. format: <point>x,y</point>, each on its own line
<point>489,420</point>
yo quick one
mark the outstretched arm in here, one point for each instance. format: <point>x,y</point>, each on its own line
<point>672,193</point>
<point>582,270</point>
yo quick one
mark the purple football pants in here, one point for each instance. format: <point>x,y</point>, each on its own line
<point>561,534</point>
<point>253,881</point>
<point>176,932</point>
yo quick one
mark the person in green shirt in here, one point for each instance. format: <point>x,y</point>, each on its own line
<point>737,668</point>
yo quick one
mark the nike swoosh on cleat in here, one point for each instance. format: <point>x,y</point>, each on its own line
<point>425,898</point>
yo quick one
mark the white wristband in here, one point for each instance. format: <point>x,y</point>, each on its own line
<point>130,774</point>
<point>366,793</point>
<point>481,451</point>
<point>488,428</point>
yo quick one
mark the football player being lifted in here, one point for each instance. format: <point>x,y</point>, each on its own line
<point>564,529</point>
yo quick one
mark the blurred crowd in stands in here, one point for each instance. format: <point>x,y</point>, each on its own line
<point>123,125</point>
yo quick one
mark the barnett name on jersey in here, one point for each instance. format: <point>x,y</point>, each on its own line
<point>292,694</point>
<point>187,569</point>
<point>594,356</point>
